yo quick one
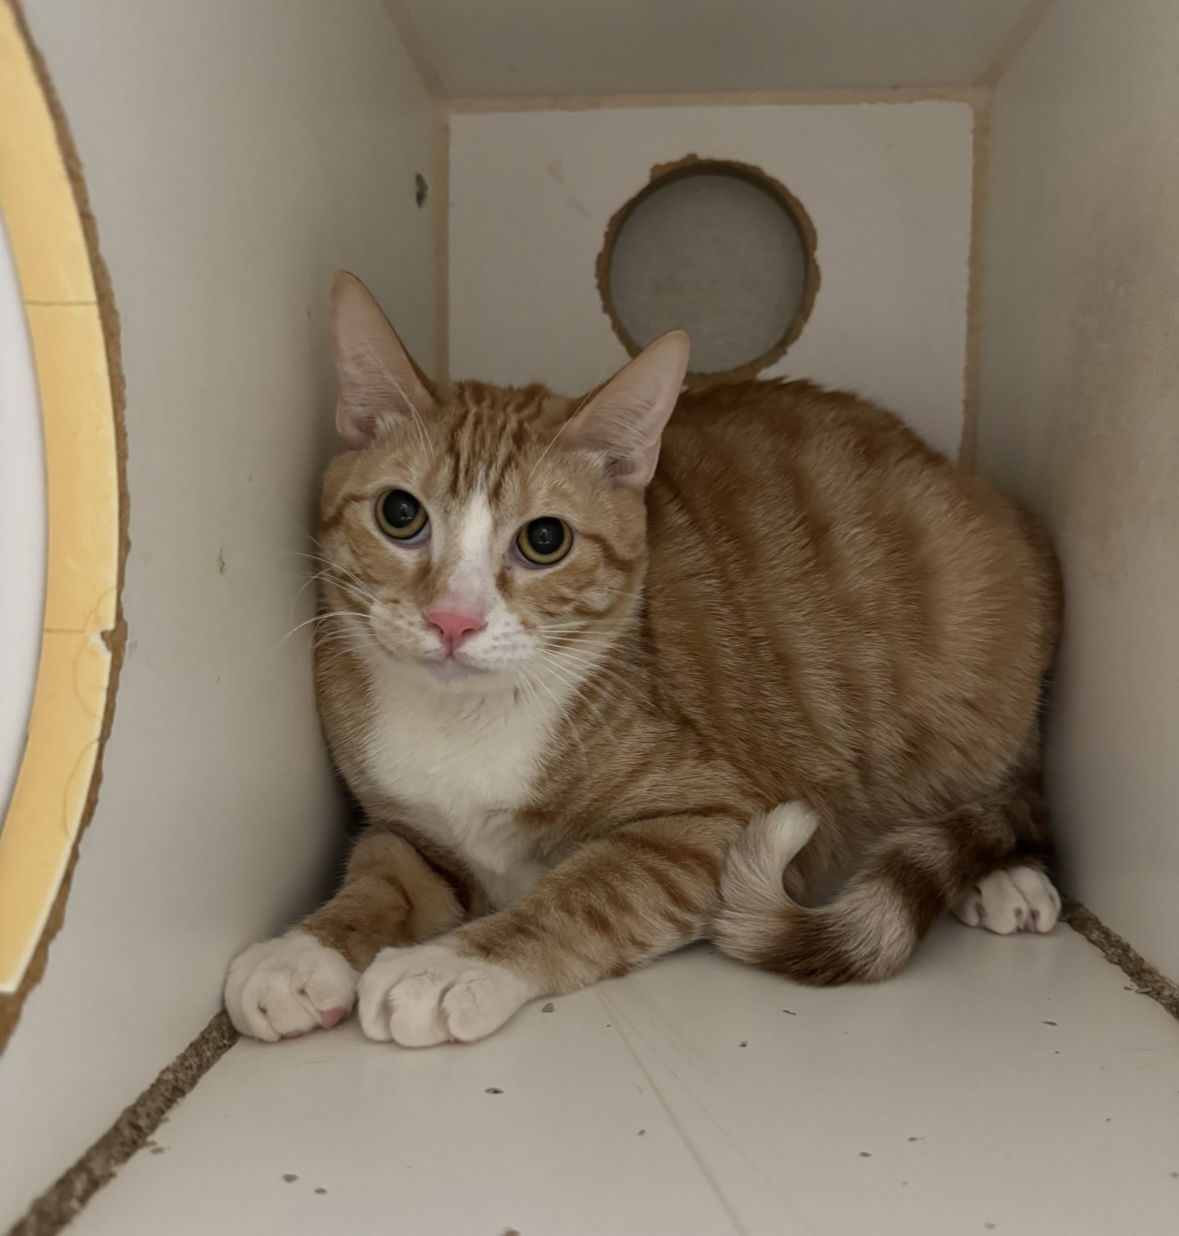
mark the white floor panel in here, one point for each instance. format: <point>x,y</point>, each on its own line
<point>1010,1085</point>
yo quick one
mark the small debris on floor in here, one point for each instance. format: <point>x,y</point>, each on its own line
<point>865,1154</point>
<point>158,1149</point>
<point>989,1226</point>
<point>548,1008</point>
<point>290,1177</point>
<point>493,1090</point>
<point>743,1043</point>
<point>916,1139</point>
<point>321,1190</point>
<point>1051,1023</point>
<point>643,1133</point>
<point>791,1012</point>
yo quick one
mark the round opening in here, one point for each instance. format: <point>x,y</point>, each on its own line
<point>718,249</point>
<point>60,618</point>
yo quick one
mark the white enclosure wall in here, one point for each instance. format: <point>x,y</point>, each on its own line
<point>237,153</point>
<point>1080,414</point>
<point>886,185</point>
<point>522,48</point>
<point>236,156</point>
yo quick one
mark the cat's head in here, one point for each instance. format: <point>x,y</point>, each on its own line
<point>479,535</point>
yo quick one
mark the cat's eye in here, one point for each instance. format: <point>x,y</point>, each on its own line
<point>400,515</point>
<point>545,541</point>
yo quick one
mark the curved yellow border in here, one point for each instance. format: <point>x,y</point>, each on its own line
<point>66,725</point>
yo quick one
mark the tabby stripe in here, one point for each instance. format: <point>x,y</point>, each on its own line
<point>333,517</point>
<point>614,559</point>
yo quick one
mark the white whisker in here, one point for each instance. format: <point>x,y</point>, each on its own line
<point>336,613</point>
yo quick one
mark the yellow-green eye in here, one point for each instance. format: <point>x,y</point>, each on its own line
<point>400,515</point>
<point>544,542</point>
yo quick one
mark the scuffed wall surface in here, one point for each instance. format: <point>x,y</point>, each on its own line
<point>887,186</point>
<point>1079,413</point>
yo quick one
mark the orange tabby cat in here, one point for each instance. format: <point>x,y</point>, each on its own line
<point>605,684</point>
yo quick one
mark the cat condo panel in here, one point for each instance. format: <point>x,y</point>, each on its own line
<point>531,48</point>
<point>882,195</point>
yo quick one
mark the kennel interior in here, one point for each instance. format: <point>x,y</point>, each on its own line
<point>965,209</point>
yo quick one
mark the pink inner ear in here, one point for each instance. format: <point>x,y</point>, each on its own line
<point>356,430</point>
<point>619,467</point>
<point>624,420</point>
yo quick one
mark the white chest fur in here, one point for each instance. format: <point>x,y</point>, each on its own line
<point>461,765</point>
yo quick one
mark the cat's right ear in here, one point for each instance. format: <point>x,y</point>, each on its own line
<point>623,421</point>
<point>379,382</point>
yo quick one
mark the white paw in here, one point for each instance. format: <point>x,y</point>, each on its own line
<point>430,994</point>
<point>288,986</point>
<point>1020,899</point>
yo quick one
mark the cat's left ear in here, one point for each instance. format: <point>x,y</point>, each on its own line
<point>379,382</point>
<point>623,421</point>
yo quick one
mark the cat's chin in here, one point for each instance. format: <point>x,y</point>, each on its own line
<point>450,670</point>
<point>449,674</point>
<point>453,675</point>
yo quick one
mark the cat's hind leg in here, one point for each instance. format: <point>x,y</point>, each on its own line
<point>308,978</point>
<point>914,873</point>
<point>1018,898</point>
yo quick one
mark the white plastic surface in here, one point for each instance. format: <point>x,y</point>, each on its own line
<point>1006,1084</point>
<point>563,47</point>
<point>1079,413</point>
<point>887,187</point>
<point>22,525</point>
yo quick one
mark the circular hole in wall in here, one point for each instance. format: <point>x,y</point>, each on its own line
<point>59,417</point>
<point>718,249</point>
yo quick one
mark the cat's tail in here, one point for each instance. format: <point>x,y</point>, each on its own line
<point>913,875</point>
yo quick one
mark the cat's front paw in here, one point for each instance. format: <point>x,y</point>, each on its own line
<point>430,994</point>
<point>285,987</point>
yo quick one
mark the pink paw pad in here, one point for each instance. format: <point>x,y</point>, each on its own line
<point>333,1017</point>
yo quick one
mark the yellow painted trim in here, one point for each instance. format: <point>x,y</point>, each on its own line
<point>74,672</point>
<point>35,194</point>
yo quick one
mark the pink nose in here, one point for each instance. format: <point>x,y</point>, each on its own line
<point>454,627</point>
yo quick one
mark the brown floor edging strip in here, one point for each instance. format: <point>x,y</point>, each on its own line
<point>1147,980</point>
<point>63,1200</point>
